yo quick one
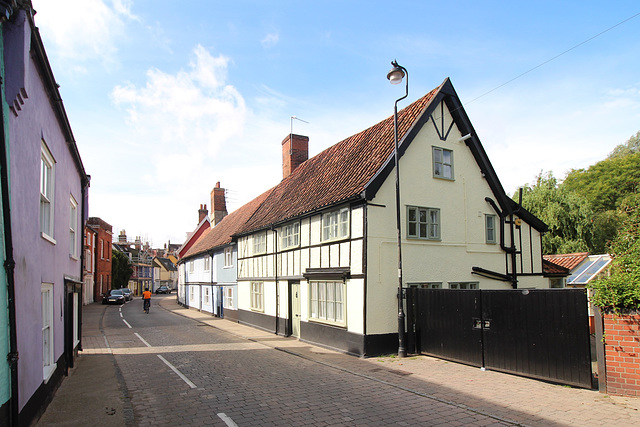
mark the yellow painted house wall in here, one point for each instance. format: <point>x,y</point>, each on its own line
<point>462,217</point>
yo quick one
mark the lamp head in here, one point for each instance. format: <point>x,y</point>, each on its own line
<point>396,74</point>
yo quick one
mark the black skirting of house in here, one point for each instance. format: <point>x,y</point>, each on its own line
<point>329,336</point>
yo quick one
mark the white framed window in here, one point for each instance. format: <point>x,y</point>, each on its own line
<point>227,301</point>
<point>206,295</point>
<point>88,260</point>
<point>557,282</point>
<point>442,163</point>
<point>191,266</point>
<point>207,263</point>
<point>192,292</point>
<point>48,360</point>
<point>47,178</point>
<point>260,243</point>
<point>101,249</point>
<point>257,296</point>
<point>423,223</point>
<point>291,235</point>
<point>490,228</point>
<point>426,285</point>
<point>463,285</point>
<point>335,224</point>
<point>327,301</point>
<point>228,257</point>
<point>73,227</point>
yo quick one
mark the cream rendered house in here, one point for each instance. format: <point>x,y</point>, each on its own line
<point>317,257</point>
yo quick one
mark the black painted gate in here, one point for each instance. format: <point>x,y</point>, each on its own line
<point>539,333</point>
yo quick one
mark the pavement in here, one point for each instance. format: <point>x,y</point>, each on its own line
<point>94,393</point>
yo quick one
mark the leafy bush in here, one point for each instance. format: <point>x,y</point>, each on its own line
<point>621,290</point>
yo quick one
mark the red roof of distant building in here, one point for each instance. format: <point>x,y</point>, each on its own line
<point>568,261</point>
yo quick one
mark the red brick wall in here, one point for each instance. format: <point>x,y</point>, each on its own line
<point>622,353</point>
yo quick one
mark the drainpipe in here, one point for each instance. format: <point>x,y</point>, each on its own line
<point>9,265</point>
<point>509,250</point>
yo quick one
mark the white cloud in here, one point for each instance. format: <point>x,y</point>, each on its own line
<point>84,29</point>
<point>270,40</point>
<point>181,130</point>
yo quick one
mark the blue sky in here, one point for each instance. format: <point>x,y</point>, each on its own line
<point>166,98</point>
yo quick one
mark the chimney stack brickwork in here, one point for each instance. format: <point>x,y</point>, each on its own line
<point>295,151</point>
<point>202,213</point>
<point>218,204</point>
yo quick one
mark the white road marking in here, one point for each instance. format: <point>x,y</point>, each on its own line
<point>142,339</point>
<point>228,421</point>
<point>180,374</point>
<point>127,323</point>
<point>121,314</point>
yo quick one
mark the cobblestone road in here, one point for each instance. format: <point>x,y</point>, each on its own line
<point>179,371</point>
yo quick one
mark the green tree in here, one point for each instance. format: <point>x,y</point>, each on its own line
<point>568,216</point>
<point>121,270</point>
<point>607,182</point>
<point>621,290</point>
<point>630,147</point>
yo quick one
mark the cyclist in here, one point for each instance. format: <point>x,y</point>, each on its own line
<point>146,296</point>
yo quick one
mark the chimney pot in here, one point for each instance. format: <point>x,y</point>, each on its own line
<point>202,213</point>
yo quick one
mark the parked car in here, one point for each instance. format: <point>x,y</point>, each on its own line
<point>163,290</point>
<point>114,296</point>
<point>128,295</point>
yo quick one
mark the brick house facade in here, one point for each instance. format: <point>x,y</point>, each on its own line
<point>102,256</point>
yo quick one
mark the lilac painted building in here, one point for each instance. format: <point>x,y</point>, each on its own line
<point>48,188</point>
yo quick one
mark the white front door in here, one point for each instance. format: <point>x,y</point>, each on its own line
<point>295,310</point>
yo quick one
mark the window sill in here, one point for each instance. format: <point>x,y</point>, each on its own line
<point>423,239</point>
<point>48,238</point>
<point>444,178</point>
<point>74,257</point>
<point>336,239</point>
<point>328,323</point>
<point>47,373</point>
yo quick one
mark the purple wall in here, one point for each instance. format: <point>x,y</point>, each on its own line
<point>33,119</point>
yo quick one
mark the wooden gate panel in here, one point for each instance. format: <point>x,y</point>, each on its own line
<point>539,333</point>
<point>445,324</point>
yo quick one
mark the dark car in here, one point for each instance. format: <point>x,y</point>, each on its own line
<point>115,296</point>
<point>163,290</point>
<point>128,295</point>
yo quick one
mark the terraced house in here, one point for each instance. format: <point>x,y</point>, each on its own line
<point>317,255</point>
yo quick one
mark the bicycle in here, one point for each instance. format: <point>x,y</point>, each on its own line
<point>147,304</point>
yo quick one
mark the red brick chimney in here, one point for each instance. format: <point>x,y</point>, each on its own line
<point>295,151</point>
<point>218,203</point>
<point>202,213</point>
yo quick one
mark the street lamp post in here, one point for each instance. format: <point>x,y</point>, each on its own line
<point>395,76</point>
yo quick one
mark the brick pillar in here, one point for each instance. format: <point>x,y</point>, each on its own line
<point>622,353</point>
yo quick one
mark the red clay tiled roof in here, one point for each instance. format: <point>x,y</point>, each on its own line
<point>221,234</point>
<point>552,269</point>
<point>337,174</point>
<point>568,261</point>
